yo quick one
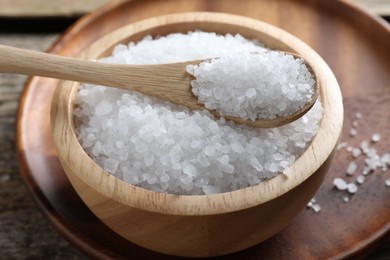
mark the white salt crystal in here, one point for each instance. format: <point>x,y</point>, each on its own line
<point>228,168</point>
<point>218,93</point>
<point>353,132</point>
<point>208,189</point>
<point>371,152</point>
<point>360,179</point>
<point>149,160</point>
<point>213,126</point>
<point>352,188</point>
<point>97,148</point>
<point>141,148</point>
<point>385,159</point>
<point>129,177</point>
<point>346,199</point>
<point>314,205</point>
<point>224,159</point>
<point>166,148</point>
<point>364,146</point>
<point>342,145</point>
<point>316,208</point>
<point>376,138</point>
<point>201,182</point>
<point>255,163</point>
<point>186,179</point>
<point>103,108</point>
<point>151,180</point>
<point>209,151</point>
<point>250,93</point>
<point>387,182</point>
<point>340,184</point>
<point>366,171</point>
<point>91,137</point>
<point>358,115</point>
<point>356,152</point>
<point>286,172</point>
<point>164,178</point>
<point>111,165</point>
<point>190,170</point>
<point>351,168</point>
<point>195,144</point>
<point>237,147</point>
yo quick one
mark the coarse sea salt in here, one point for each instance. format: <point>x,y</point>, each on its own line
<point>262,85</point>
<point>167,148</point>
<point>372,162</point>
<point>314,205</point>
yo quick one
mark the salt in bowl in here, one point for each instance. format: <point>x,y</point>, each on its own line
<point>201,225</point>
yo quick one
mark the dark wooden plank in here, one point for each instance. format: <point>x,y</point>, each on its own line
<point>74,8</point>
<point>24,231</point>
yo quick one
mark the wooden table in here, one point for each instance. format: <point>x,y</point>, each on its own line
<point>24,232</point>
<point>71,8</point>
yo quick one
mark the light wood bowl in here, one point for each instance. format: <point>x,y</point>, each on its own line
<point>205,225</point>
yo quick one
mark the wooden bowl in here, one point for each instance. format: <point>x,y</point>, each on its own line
<point>204,225</point>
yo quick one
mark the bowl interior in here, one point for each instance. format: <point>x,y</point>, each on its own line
<point>311,160</point>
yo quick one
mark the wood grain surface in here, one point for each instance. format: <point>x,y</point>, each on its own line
<point>50,8</point>
<point>24,232</point>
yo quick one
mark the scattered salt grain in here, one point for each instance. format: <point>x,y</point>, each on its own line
<point>358,115</point>
<point>360,179</point>
<point>372,163</point>
<point>340,184</point>
<point>353,132</point>
<point>316,208</point>
<point>352,188</point>
<point>376,138</point>
<point>167,148</point>
<point>256,85</point>
<point>366,171</point>
<point>356,152</point>
<point>364,147</point>
<point>351,168</point>
<point>342,145</point>
<point>314,205</point>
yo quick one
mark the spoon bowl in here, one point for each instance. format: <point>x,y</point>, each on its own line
<point>202,225</point>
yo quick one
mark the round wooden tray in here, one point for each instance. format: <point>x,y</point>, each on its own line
<point>355,45</point>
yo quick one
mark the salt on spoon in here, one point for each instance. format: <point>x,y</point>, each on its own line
<point>152,78</point>
<point>254,86</point>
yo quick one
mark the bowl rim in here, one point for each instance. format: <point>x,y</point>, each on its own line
<point>321,147</point>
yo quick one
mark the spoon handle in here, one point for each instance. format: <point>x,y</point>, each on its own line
<point>148,79</point>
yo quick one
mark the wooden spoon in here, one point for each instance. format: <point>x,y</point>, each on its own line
<point>148,79</point>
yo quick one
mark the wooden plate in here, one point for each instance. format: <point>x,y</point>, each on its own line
<point>354,44</point>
